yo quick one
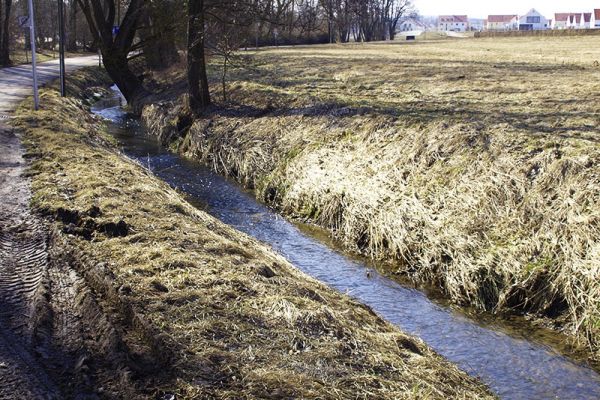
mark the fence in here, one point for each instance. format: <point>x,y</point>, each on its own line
<point>548,32</point>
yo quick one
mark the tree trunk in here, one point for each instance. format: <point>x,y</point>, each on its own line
<point>129,84</point>
<point>196,62</point>
<point>4,33</point>
<point>224,77</point>
<point>2,54</point>
<point>158,37</point>
<point>115,48</point>
<point>72,42</point>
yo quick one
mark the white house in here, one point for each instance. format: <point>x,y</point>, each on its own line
<point>477,24</point>
<point>411,25</point>
<point>586,21</point>
<point>574,21</point>
<point>502,23</point>
<point>595,21</point>
<point>560,20</point>
<point>454,23</point>
<point>532,21</point>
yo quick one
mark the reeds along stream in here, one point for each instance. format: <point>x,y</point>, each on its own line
<point>514,366</point>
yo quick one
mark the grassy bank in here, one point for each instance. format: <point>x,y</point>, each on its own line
<point>220,314</point>
<point>472,163</point>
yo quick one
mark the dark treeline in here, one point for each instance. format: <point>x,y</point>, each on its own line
<point>163,31</point>
<point>14,39</point>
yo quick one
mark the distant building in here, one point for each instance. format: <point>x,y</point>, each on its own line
<point>560,20</point>
<point>533,21</point>
<point>411,25</point>
<point>574,21</point>
<point>453,23</point>
<point>502,22</point>
<point>595,22</point>
<point>586,22</point>
<point>477,24</point>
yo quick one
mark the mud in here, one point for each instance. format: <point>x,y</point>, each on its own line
<point>60,336</point>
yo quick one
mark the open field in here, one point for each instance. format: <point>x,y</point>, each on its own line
<point>474,164</point>
<point>201,310</point>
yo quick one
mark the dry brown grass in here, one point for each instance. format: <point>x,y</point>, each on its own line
<point>473,163</point>
<point>238,320</point>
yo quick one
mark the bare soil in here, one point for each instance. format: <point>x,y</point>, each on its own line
<point>54,336</point>
<point>58,338</point>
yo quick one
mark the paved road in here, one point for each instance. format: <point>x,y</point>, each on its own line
<point>16,82</point>
<point>16,86</point>
<point>24,268</point>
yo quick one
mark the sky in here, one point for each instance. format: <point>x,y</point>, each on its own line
<point>482,8</point>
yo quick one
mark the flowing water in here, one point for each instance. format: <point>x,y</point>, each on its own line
<point>505,356</point>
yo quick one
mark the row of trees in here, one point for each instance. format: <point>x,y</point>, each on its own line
<point>14,39</point>
<point>364,20</point>
<point>159,29</point>
<point>5,14</point>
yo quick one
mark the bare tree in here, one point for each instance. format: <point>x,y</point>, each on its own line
<point>72,31</point>
<point>395,10</point>
<point>199,95</point>
<point>116,46</point>
<point>5,13</point>
<point>158,33</point>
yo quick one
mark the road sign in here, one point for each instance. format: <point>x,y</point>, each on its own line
<point>115,30</point>
<point>23,21</point>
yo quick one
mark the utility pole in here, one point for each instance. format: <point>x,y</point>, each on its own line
<point>61,46</point>
<point>36,100</point>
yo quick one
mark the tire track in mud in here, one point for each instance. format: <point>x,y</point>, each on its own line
<point>57,338</point>
<point>23,265</point>
<point>56,341</point>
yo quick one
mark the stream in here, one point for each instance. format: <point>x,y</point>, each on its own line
<point>510,358</point>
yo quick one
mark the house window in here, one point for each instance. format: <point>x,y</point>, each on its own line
<point>533,20</point>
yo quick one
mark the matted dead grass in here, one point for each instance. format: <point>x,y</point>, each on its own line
<point>237,321</point>
<point>472,163</point>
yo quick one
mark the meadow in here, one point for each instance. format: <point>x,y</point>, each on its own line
<point>469,164</point>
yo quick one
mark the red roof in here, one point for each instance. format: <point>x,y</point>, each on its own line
<point>597,14</point>
<point>454,18</point>
<point>574,17</point>
<point>501,18</point>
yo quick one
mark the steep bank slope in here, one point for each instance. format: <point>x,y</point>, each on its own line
<point>220,314</point>
<point>476,169</point>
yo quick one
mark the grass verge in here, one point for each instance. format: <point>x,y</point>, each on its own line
<point>232,319</point>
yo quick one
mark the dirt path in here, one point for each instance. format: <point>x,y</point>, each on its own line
<point>41,340</point>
